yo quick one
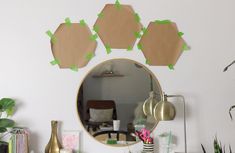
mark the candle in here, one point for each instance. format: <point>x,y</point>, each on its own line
<point>66,151</point>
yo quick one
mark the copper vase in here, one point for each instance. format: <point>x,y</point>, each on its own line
<point>53,145</point>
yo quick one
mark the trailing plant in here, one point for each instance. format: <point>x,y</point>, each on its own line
<point>7,106</point>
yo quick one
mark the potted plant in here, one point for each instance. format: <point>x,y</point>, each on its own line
<point>6,109</point>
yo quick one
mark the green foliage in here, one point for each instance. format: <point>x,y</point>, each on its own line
<point>217,147</point>
<point>7,105</point>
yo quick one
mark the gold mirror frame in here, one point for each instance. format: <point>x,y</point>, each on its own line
<point>145,68</point>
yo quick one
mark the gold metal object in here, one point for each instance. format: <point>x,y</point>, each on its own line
<point>164,110</point>
<point>149,104</point>
<point>53,145</point>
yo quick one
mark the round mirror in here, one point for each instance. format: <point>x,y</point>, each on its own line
<point>110,101</point>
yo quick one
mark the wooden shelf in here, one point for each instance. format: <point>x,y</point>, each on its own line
<point>107,75</point>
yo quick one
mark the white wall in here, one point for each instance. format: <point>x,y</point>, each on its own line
<point>44,92</point>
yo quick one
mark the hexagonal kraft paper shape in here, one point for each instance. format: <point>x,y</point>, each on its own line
<point>73,43</point>
<point>117,27</point>
<point>161,44</point>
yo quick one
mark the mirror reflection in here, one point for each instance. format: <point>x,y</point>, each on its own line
<point>110,101</point>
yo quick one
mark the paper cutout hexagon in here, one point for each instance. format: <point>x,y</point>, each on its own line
<point>73,44</point>
<point>161,44</point>
<point>117,27</point>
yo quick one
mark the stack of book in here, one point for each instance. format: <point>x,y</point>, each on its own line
<point>18,142</point>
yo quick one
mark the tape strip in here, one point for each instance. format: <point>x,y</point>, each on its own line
<point>162,21</point>
<point>82,22</point>
<point>185,47</point>
<point>55,62</point>
<point>74,68</point>
<point>94,37</point>
<point>100,15</point>
<point>147,62</point>
<point>144,30</point>
<point>137,17</point>
<point>89,56</point>
<point>117,4</point>
<point>137,35</point>
<point>180,34</point>
<point>129,48</point>
<point>68,22</point>
<point>139,46</point>
<point>171,66</point>
<point>108,49</point>
<point>52,36</point>
<point>96,28</point>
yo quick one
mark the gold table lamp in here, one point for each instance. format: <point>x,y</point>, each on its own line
<point>165,111</point>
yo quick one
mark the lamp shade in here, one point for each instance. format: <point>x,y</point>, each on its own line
<point>164,110</point>
<point>149,104</point>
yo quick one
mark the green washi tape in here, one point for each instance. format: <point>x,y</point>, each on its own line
<point>94,37</point>
<point>163,21</point>
<point>171,66</point>
<point>117,4</point>
<point>137,35</point>
<point>139,46</point>
<point>108,49</point>
<point>68,22</point>
<point>137,17</point>
<point>55,62</point>
<point>82,23</point>
<point>52,36</point>
<point>96,28</point>
<point>89,56</point>
<point>180,34</point>
<point>129,48</point>
<point>147,62</point>
<point>144,30</point>
<point>74,68</point>
<point>100,15</point>
<point>185,47</point>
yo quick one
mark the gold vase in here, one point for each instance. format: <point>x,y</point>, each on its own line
<point>53,145</point>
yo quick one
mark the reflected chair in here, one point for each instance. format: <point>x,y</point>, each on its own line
<point>99,104</point>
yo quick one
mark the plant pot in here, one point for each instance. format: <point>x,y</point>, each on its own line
<point>148,148</point>
<point>3,147</point>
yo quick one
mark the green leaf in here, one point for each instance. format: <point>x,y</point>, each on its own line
<point>10,111</point>
<point>2,129</point>
<point>6,103</point>
<point>5,123</point>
